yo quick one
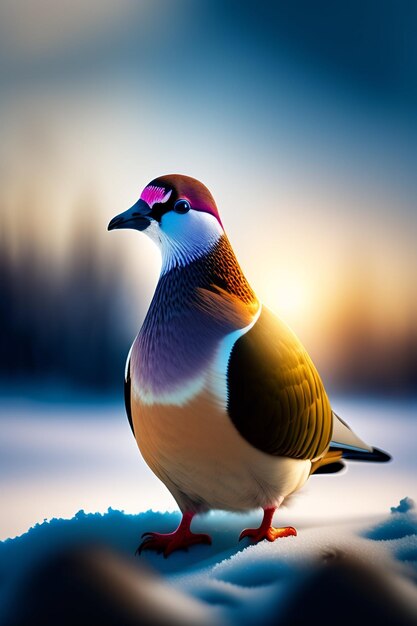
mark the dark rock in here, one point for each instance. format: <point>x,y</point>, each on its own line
<point>344,591</point>
<point>92,586</point>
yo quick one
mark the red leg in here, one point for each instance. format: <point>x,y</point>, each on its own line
<point>180,539</point>
<point>266,531</point>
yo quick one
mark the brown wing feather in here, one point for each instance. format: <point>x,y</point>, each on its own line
<point>276,398</point>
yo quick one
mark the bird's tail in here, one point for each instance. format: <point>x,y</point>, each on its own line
<point>344,440</point>
<point>346,445</point>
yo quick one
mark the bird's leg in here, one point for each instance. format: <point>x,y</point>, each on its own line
<point>266,530</point>
<point>180,539</point>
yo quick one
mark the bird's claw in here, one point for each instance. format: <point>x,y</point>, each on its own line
<point>270,533</point>
<point>168,543</point>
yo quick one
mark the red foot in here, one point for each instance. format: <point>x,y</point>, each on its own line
<point>266,531</point>
<point>271,533</point>
<point>180,539</point>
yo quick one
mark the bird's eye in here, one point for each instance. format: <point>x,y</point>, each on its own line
<point>182,206</point>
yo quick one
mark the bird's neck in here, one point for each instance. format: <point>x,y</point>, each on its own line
<point>217,270</point>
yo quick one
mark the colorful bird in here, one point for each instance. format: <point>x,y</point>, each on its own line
<point>225,404</point>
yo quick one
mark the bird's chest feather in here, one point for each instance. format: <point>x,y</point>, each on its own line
<point>184,346</point>
<point>173,363</point>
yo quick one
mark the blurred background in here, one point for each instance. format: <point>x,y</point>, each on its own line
<point>301,119</point>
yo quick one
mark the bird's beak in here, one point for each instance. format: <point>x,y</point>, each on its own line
<point>137,217</point>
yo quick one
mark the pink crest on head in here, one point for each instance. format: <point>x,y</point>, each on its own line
<point>153,195</point>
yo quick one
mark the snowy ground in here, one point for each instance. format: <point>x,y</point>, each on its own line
<point>234,584</point>
<point>58,459</point>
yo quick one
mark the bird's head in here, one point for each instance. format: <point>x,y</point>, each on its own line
<point>179,214</point>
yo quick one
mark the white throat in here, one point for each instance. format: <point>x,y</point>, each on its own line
<point>183,238</point>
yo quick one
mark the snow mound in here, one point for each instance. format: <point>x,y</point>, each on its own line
<point>401,523</point>
<point>243,584</point>
<point>406,505</point>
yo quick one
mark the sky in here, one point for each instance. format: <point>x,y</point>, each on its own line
<point>299,117</point>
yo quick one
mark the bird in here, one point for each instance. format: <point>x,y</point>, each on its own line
<point>225,403</point>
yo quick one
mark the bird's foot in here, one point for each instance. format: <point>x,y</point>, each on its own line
<point>180,539</point>
<point>266,530</point>
<point>270,533</point>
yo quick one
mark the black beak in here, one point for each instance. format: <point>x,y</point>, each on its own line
<point>137,217</point>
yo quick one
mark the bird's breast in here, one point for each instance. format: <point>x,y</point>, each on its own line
<point>174,368</point>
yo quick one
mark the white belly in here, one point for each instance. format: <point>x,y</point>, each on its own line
<point>204,461</point>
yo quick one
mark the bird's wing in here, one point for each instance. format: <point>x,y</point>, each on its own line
<point>276,399</point>
<point>127,391</point>
<point>351,446</point>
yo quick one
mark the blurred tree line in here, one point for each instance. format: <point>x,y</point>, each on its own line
<point>62,325</point>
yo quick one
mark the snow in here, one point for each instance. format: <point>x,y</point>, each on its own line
<point>401,523</point>
<point>242,583</point>
<point>269,571</point>
<point>406,504</point>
